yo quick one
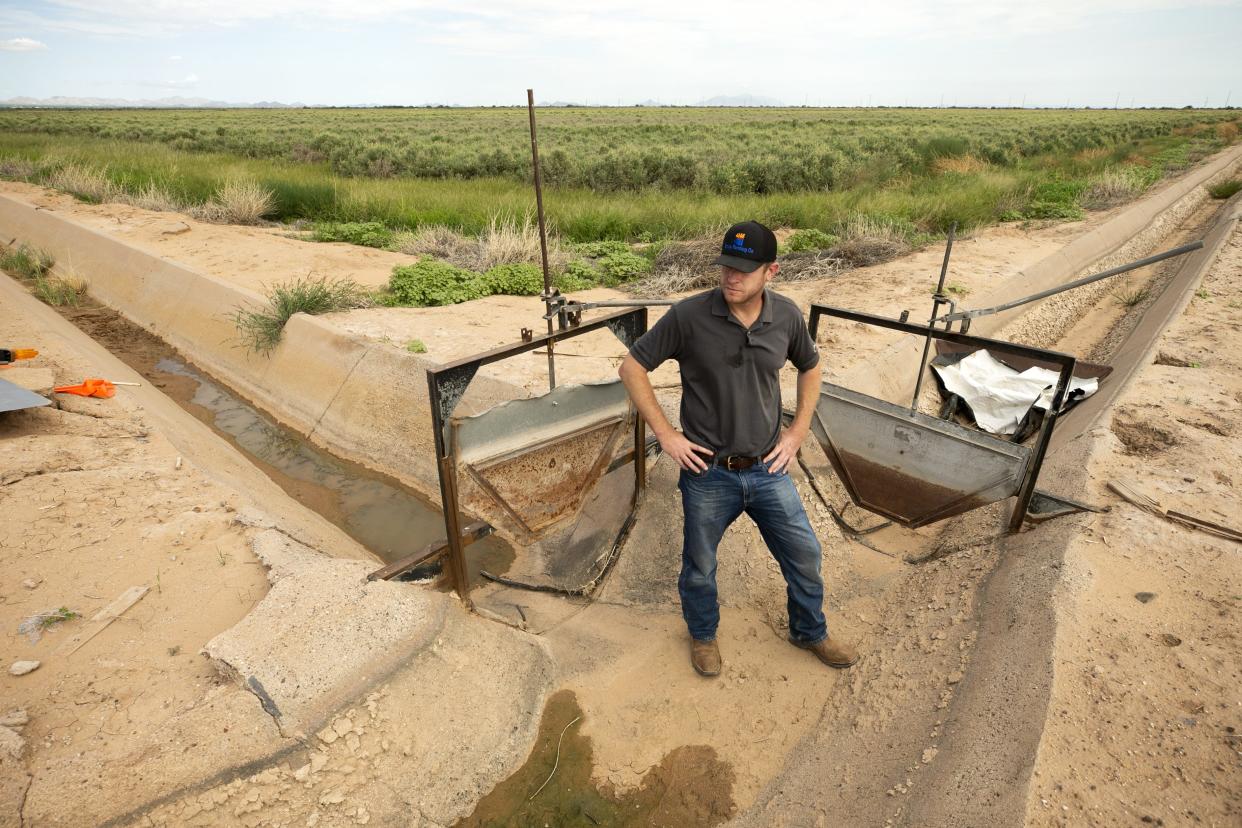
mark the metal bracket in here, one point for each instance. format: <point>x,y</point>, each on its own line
<point>628,328</point>
<point>1044,506</point>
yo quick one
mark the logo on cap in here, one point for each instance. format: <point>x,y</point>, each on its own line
<point>738,245</point>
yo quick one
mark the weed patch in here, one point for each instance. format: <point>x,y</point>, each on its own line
<point>514,280</point>
<point>1128,297</point>
<point>239,202</point>
<point>261,329</point>
<point>1117,186</point>
<point>810,239</point>
<point>363,233</point>
<point>429,282</point>
<point>26,262</point>
<point>1225,189</point>
<point>1055,199</point>
<point>58,291</point>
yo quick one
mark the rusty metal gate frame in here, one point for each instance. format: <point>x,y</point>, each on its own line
<point>447,385</point>
<point>1063,362</point>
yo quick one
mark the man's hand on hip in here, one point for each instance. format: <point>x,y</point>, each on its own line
<point>786,450</point>
<point>687,454</point>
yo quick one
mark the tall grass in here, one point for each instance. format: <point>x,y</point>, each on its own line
<point>260,329</point>
<point>1225,189</point>
<point>35,268</point>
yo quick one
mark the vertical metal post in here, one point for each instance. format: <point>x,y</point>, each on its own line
<point>543,237</point>
<point>1027,490</point>
<point>640,456</point>
<point>452,526</point>
<point>937,300</point>
<point>448,497</point>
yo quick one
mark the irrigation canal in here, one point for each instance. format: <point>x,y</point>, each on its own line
<point>387,517</point>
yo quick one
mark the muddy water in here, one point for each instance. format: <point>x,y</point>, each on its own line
<point>689,787</point>
<point>388,518</point>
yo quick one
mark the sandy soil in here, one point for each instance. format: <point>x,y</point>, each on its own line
<point>96,500</point>
<point>1146,707</point>
<point>793,743</point>
<point>247,256</point>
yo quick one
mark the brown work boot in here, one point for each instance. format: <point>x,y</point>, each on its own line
<point>831,651</point>
<point>705,656</point>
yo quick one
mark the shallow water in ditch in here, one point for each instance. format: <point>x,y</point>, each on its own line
<point>386,517</point>
<point>690,786</point>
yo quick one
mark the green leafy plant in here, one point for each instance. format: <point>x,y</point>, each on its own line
<point>600,249</point>
<point>578,275</point>
<point>1055,199</point>
<point>619,267</point>
<point>57,616</point>
<point>363,233</point>
<point>416,346</point>
<point>809,239</point>
<point>261,328</point>
<point>514,280</point>
<point>429,282</point>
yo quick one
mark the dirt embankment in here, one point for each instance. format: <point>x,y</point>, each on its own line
<point>1146,710</point>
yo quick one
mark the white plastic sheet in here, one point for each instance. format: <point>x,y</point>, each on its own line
<point>998,395</point>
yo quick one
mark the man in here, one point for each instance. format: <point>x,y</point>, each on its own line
<point>730,344</point>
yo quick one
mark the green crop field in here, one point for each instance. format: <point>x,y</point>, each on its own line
<point>629,173</point>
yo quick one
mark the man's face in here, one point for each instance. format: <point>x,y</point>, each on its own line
<point>739,288</point>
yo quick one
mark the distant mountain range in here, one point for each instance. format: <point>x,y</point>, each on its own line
<point>178,102</point>
<point>740,100</point>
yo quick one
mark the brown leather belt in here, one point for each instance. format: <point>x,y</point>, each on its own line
<point>737,462</point>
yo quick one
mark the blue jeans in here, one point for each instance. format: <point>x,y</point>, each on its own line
<point>711,501</point>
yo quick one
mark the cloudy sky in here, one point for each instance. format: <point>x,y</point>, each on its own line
<point>819,52</point>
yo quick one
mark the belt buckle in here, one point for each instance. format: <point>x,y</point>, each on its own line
<point>729,462</point>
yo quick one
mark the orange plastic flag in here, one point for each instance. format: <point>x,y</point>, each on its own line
<point>89,388</point>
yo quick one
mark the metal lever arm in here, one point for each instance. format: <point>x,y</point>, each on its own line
<point>1159,257</point>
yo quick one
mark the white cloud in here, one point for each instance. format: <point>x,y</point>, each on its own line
<point>535,21</point>
<point>188,82</point>
<point>174,57</point>
<point>21,44</point>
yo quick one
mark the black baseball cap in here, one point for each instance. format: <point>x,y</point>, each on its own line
<point>746,246</point>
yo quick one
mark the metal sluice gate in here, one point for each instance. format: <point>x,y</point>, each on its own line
<point>549,471</point>
<point>917,469</point>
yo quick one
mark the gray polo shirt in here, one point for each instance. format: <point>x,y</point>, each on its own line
<point>730,385</point>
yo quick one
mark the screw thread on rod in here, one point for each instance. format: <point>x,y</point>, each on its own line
<point>543,236</point>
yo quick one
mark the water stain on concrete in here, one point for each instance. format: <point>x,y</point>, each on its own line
<point>690,786</point>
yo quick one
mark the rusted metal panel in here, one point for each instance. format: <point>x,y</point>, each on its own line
<point>544,470</point>
<point>909,466</point>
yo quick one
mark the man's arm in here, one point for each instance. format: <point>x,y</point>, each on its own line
<point>791,438</point>
<point>673,442</point>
